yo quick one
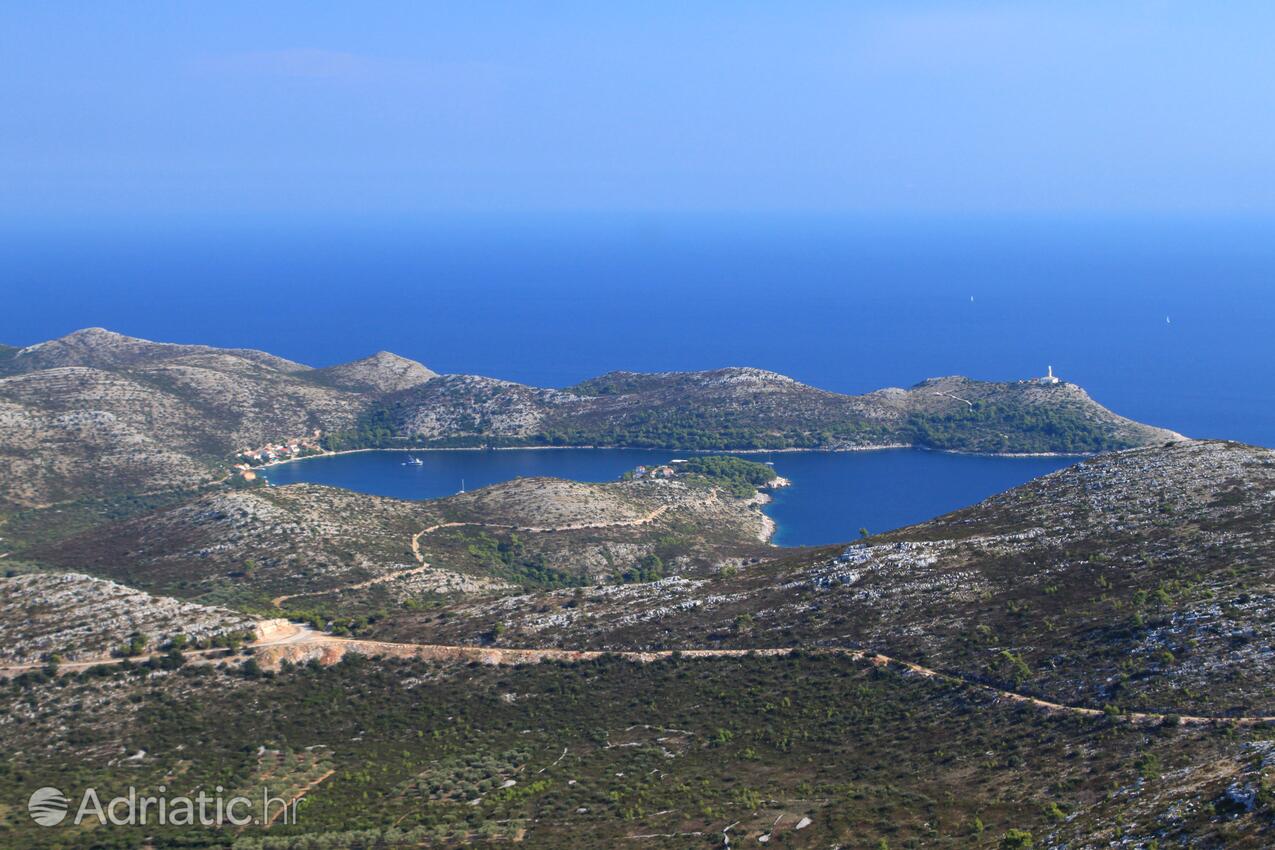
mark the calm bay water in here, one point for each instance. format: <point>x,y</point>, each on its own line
<point>833,494</point>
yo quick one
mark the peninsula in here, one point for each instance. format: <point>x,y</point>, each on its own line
<point>97,414</point>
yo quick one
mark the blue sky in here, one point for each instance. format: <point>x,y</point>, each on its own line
<point>900,107</point>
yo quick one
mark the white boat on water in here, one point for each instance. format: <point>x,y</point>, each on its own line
<point>413,460</point>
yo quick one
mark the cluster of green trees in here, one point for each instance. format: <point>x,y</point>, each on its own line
<point>705,427</point>
<point>136,645</point>
<point>987,426</point>
<point>325,617</point>
<point>984,426</point>
<point>618,383</point>
<point>694,428</point>
<point>648,568</point>
<point>509,558</point>
<point>734,474</point>
<point>375,430</point>
<point>686,432</point>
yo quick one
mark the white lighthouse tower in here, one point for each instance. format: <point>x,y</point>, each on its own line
<point>1049,377</point>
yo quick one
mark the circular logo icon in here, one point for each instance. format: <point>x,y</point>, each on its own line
<point>47,806</point>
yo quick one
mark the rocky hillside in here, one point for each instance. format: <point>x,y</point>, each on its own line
<point>98,348</point>
<point>383,372</point>
<point>249,546</point>
<point>749,409</point>
<point>75,617</point>
<point>350,552</point>
<point>1137,580</point>
<point>97,414</point>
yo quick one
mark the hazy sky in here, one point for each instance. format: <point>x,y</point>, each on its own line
<point>141,107</point>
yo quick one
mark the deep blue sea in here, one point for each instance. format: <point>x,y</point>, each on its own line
<point>1168,321</point>
<point>833,494</point>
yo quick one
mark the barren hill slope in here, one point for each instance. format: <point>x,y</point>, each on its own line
<point>102,349</point>
<point>1140,579</point>
<point>98,414</point>
<point>76,617</point>
<point>304,541</point>
<point>383,372</point>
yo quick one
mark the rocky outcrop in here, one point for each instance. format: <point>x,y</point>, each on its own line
<point>383,372</point>
<point>102,349</point>
<point>100,415</point>
<point>471,405</point>
<point>78,617</point>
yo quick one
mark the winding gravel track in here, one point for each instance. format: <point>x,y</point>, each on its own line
<point>425,566</point>
<point>330,649</point>
<point>282,641</point>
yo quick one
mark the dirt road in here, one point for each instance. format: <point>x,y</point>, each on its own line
<point>330,649</point>
<point>281,641</point>
<point>424,565</point>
